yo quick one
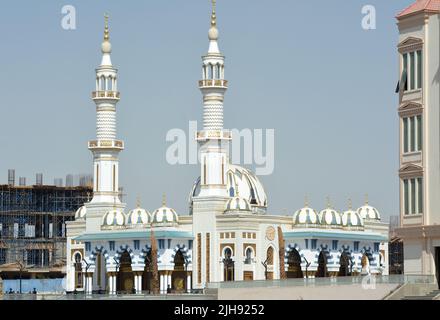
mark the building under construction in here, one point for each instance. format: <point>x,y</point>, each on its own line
<point>32,227</point>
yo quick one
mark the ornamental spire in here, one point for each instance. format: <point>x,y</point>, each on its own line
<point>213,15</point>
<point>106,29</point>
<point>164,200</point>
<point>366,199</point>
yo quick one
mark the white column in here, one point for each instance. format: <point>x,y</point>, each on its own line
<point>161,283</point>
<point>90,284</point>
<point>114,284</point>
<point>188,283</point>
<point>140,283</point>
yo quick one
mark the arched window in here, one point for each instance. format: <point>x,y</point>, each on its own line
<point>102,83</point>
<point>110,83</point>
<point>249,255</point>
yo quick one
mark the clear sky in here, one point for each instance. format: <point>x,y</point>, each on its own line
<point>304,68</point>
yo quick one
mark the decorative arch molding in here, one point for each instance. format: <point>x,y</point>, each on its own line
<point>410,108</point>
<point>184,250</point>
<point>121,250</point>
<point>289,248</point>
<point>410,44</point>
<point>96,251</point>
<point>328,257</point>
<point>144,252</point>
<point>345,249</point>
<point>411,171</point>
<point>367,252</point>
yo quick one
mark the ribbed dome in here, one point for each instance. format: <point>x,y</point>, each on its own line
<point>81,213</point>
<point>306,217</point>
<point>237,204</point>
<point>329,217</point>
<point>241,181</point>
<point>351,219</point>
<point>114,218</point>
<point>165,216</point>
<point>138,216</point>
<point>368,212</point>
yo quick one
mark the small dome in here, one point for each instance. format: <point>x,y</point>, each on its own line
<point>351,219</point>
<point>329,217</point>
<point>165,216</point>
<point>106,47</point>
<point>213,33</point>
<point>114,218</point>
<point>368,212</point>
<point>306,217</point>
<point>237,204</point>
<point>81,213</point>
<point>138,216</point>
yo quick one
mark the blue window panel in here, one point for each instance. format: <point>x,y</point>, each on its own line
<point>88,246</point>
<point>136,244</point>
<point>111,244</point>
<point>356,246</point>
<point>335,244</point>
<point>314,243</point>
<point>307,243</point>
<point>190,244</point>
<point>169,243</point>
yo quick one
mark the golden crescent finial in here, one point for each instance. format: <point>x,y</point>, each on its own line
<point>138,201</point>
<point>306,201</point>
<point>164,200</point>
<point>366,198</point>
<point>106,29</point>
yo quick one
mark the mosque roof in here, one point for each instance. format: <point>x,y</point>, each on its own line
<point>430,6</point>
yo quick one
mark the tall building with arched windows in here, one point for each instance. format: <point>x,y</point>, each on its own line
<point>228,234</point>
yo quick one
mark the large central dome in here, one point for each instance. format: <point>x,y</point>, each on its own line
<point>248,185</point>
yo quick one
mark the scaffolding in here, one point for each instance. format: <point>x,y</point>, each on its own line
<point>33,227</point>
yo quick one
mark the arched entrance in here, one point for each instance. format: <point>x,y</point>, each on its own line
<point>78,271</point>
<point>146,277</point>
<point>178,277</point>
<point>228,265</point>
<point>365,263</point>
<point>125,274</point>
<point>269,262</point>
<point>294,264</point>
<point>344,265</point>
<point>322,265</point>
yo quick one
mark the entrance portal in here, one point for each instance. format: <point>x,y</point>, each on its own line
<point>344,265</point>
<point>294,265</point>
<point>146,277</point>
<point>228,266</point>
<point>322,266</point>
<point>179,275</point>
<point>125,274</point>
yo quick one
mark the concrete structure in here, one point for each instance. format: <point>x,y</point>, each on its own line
<point>419,101</point>
<point>227,236</point>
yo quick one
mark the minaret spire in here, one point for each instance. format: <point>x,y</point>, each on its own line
<point>106,29</point>
<point>106,46</point>
<point>213,139</point>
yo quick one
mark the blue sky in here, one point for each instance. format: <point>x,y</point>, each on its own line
<point>304,68</point>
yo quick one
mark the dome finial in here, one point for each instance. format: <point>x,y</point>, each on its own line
<point>328,202</point>
<point>350,206</point>
<point>366,199</point>
<point>164,200</point>
<point>106,29</point>
<point>306,201</point>
<point>213,14</point>
<point>138,201</point>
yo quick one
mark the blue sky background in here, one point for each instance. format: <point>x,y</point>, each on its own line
<point>304,68</point>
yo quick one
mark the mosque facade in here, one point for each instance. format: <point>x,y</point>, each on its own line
<point>228,233</point>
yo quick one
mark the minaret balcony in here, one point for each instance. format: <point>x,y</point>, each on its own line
<point>105,95</point>
<point>106,144</point>
<point>213,83</point>
<point>213,135</point>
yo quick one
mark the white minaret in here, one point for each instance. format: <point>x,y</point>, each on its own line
<point>213,140</point>
<point>106,147</point>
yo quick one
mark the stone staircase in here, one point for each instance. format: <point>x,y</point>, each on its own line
<point>429,296</point>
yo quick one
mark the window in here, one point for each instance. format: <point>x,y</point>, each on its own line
<point>190,244</point>
<point>111,244</point>
<point>376,246</point>
<point>413,67</point>
<point>356,246</point>
<point>2,256</point>
<point>335,244</point>
<point>161,244</point>
<point>307,243</point>
<point>88,246</point>
<point>248,259</point>
<point>413,196</point>
<point>136,244</point>
<point>412,134</point>
<point>314,243</point>
<point>169,243</point>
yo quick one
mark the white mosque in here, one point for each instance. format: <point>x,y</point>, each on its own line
<point>228,234</point>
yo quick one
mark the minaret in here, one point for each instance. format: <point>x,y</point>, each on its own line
<point>106,147</point>
<point>213,139</point>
